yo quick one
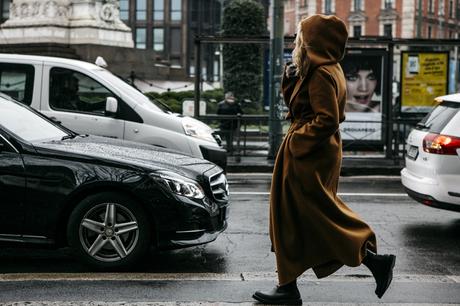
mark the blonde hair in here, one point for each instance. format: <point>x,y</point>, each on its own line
<point>299,54</point>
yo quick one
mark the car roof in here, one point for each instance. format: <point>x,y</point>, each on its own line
<point>449,98</point>
<point>49,59</point>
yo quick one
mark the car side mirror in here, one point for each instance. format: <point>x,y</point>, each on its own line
<point>111,106</point>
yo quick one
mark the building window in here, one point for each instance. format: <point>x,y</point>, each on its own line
<point>303,3</point>
<point>387,30</point>
<point>124,9</point>
<point>5,10</point>
<point>441,8</point>
<point>357,31</point>
<point>430,6</point>
<point>176,10</point>
<point>158,39</point>
<point>176,40</point>
<point>327,7</point>
<point>357,5</point>
<point>440,33</point>
<point>141,9</point>
<point>388,4</point>
<point>451,8</point>
<point>429,31</point>
<point>158,10</point>
<point>141,38</point>
<point>457,10</point>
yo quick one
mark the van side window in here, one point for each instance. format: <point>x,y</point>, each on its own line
<point>17,81</point>
<point>76,92</point>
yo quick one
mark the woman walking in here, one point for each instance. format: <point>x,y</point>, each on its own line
<point>310,226</point>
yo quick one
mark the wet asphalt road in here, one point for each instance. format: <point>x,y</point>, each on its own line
<point>426,242</point>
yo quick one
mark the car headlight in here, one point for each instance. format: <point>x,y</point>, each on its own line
<point>197,129</point>
<point>179,185</point>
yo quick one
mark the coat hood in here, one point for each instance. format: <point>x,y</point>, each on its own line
<point>325,38</point>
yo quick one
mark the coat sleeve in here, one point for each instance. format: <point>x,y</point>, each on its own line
<point>322,92</point>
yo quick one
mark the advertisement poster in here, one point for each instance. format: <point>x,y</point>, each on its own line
<point>363,71</point>
<point>424,76</point>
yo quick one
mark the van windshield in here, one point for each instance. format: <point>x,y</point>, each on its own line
<point>129,90</point>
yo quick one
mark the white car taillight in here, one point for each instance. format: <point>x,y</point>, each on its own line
<point>441,144</point>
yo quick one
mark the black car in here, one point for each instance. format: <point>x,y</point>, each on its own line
<point>110,200</point>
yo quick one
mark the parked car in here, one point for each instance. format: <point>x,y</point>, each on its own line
<point>109,199</point>
<point>89,99</point>
<point>432,172</point>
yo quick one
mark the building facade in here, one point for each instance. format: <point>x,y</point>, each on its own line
<point>169,28</point>
<point>4,10</point>
<point>391,18</point>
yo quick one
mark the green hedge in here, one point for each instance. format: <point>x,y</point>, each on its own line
<point>174,99</point>
<point>212,97</point>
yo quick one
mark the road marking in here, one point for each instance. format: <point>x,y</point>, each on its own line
<point>353,194</point>
<point>100,303</point>
<point>244,276</point>
<point>237,175</point>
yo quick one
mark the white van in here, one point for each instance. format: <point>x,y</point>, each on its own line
<point>91,100</point>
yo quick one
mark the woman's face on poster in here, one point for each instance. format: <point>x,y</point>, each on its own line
<point>360,87</point>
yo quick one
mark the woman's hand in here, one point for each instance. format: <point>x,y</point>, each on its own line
<point>290,70</point>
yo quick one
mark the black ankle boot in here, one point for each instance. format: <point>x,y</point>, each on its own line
<point>280,295</point>
<point>381,267</point>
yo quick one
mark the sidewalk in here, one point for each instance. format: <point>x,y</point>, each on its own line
<point>351,165</point>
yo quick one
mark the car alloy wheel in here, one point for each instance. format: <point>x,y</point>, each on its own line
<point>109,230</point>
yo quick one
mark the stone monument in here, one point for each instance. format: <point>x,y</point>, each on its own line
<point>70,22</point>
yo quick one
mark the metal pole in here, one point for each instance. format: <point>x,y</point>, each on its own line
<point>388,111</point>
<point>456,73</point>
<point>197,77</point>
<point>276,69</point>
<point>419,20</point>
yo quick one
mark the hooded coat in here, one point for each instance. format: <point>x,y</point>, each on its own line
<point>310,226</point>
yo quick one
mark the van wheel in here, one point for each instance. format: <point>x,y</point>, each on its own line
<point>109,230</point>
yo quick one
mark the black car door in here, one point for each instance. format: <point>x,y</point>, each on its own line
<point>12,191</point>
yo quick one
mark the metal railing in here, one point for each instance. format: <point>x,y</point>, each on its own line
<point>251,136</point>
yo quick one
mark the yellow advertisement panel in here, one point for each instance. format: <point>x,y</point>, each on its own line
<point>424,76</point>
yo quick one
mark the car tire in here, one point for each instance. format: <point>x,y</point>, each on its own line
<point>109,231</point>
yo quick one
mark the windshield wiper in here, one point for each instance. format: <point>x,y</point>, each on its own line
<point>165,106</point>
<point>423,125</point>
<point>71,136</point>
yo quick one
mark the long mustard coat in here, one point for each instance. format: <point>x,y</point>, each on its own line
<point>310,226</point>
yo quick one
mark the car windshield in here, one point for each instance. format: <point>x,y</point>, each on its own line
<point>26,124</point>
<point>130,90</point>
<point>437,119</point>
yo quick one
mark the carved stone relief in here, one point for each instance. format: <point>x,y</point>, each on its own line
<point>26,9</point>
<point>109,11</point>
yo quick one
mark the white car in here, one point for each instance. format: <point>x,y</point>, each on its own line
<point>432,172</point>
<point>89,99</point>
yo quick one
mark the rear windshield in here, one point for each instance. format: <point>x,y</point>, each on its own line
<point>438,118</point>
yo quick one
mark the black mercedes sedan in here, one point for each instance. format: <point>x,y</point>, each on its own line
<point>109,200</point>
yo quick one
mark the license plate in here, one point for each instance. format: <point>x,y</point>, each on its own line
<point>412,153</point>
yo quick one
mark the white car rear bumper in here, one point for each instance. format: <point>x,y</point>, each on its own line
<point>427,191</point>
